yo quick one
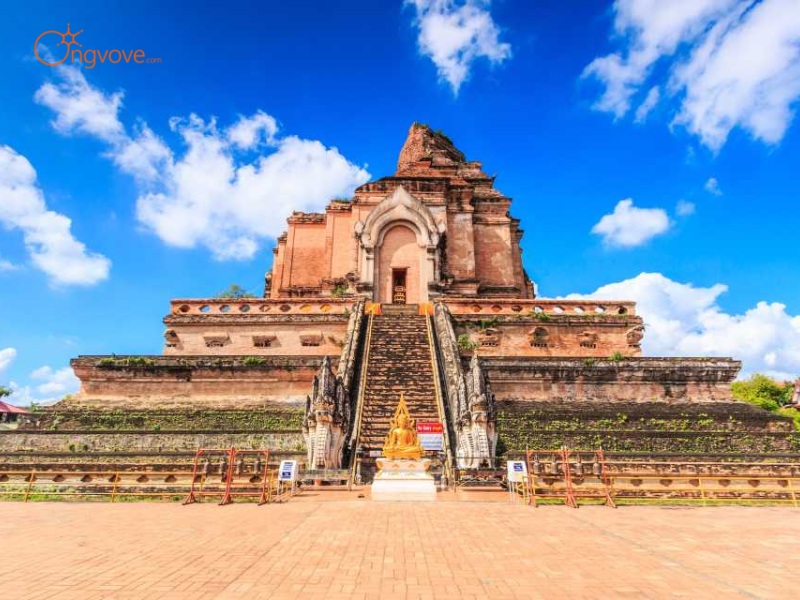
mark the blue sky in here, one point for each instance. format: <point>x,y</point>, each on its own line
<point>649,148</point>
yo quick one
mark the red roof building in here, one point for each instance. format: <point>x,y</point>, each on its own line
<point>10,413</point>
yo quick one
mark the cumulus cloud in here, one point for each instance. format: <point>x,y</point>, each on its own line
<point>629,226</point>
<point>47,234</point>
<point>684,208</point>
<point>453,34</point>
<point>55,382</point>
<point>7,356</point>
<point>712,187</point>
<point>79,107</point>
<point>685,320</point>
<point>47,385</point>
<point>230,188</point>
<point>726,64</point>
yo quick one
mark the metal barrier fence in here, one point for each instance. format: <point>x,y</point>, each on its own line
<point>237,479</point>
<point>571,476</point>
<point>102,484</point>
<point>224,474</point>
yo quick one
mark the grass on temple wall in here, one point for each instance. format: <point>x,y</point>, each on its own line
<point>257,420</point>
<point>253,361</point>
<point>681,431</point>
<point>131,361</point>
<point>465,343</point>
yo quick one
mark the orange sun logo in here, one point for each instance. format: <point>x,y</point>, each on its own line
<point>64,41</point>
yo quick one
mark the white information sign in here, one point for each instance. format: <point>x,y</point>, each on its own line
<point>430,435</point>
<point>517,470</point>
<point>288,470</point>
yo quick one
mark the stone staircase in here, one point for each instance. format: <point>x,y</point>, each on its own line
<point>399,361</point>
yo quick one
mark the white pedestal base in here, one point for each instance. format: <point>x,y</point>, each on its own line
<point>404,480</point>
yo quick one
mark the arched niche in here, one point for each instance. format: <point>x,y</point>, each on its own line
<point>400,209</point>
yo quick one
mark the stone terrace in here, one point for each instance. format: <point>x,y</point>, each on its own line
<point>396,550</point>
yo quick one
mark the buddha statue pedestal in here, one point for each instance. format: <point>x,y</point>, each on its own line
<point>403,473</point>
<point>404,479</point>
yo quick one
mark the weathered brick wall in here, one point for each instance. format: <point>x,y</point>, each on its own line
<point>643,427</point>
<point>460,246</point>
<point>73,416</point>
<point>627,380</point>
<point>150,441</point>
<point>201,382</point>
<point>493,261</point>
<point>307,260</point>
<point>569,336</point>
<point>341,242</point>
<point>245,337</point>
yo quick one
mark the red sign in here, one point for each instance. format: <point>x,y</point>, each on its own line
<point>430,427</point>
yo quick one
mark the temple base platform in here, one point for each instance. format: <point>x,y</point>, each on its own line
<point>404,480</point>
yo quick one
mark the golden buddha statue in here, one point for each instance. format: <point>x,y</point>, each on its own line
<point>402,440</point>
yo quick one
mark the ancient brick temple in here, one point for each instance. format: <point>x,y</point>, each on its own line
<point>437,228</point>
<point>416,285</point>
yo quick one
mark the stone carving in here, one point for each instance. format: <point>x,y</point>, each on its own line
<point>469,398</point>
<point>477,432</point>
<point>588,339</point>
<point>796,395</point>
<point>538,337</point>
<point>327,423</point>
<point>635,335</point>
<point>489,337</point>
<point>327,415</point>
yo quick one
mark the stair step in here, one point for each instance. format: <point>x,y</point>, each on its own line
<point>399,362</point>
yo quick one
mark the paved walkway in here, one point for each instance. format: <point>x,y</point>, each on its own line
<point>365,549</point>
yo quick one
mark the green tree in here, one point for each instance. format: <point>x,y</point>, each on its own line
<point>763,391</point>
<point>235,291</point>
<point>4,391</point>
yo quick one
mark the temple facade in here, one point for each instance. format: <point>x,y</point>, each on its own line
<point>415,285</point>
<point>437,228</point>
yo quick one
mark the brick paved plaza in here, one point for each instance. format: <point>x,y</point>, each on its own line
<point>364,549</point>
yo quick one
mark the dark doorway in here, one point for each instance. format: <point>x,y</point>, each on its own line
<point>398,286</point>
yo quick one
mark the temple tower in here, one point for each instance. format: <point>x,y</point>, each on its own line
<point>435,228</point>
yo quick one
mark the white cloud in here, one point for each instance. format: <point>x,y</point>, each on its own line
<point>684,208</point>
<point>55,382</point>
<point>648,105</point>
<point>684,320</point>
<point>7,266</point>
<point>48,238</point>
<point>47,385</point>
<point>80,107</point>
<point>727,63</point>
<point>7,356</point>
<point>230,188</point>
<point>630,226</point>
<point>453,34</point>
<point>248,131</point>
<point>712,187</point>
